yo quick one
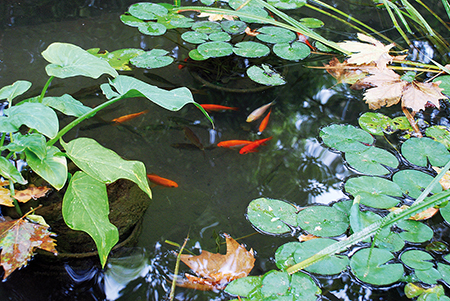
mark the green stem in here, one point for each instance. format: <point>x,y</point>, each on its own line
<point>175,273</point>
<point>44,90</point>
<point>15,202</point>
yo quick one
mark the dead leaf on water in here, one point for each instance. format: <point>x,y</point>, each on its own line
<point>5,197</point>
<point>32,192</point>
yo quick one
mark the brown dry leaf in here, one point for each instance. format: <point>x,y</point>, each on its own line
<point>250,32</point>
<point>445,180</point>
<point>366,53</point>
<point>215,270</point>
<point>4,183</point>
<point>307,237</point>
<point>216,17</point>
<point>426,214</point>
<point>32,192</point>
<point>18,239</point>
<point>5,197</point>
<point>417,94</point>
<point>344,72</point>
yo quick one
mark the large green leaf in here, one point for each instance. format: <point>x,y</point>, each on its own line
<point>371,161</point>
<point>35,116</point>
<point>152,29</point>
<point>53,168</point>
<point>118,59</point>
<point>105,165</point>
<point>69,60</point>
<point>65,104</point>
<point>421,150</point>
<point>323,221</point>
<point>17,88</point>
<point>34,142</point>
<point>244,286</point>
<point>147,10</point>
<point>10,172</point>
<point>215,49</point>
<point>85,208</point>
<point>375,192</point>
<point>345,138</point>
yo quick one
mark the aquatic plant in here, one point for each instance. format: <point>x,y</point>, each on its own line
<point>29,131</point>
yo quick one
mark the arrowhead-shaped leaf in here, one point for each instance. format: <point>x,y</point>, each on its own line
<point>17,88</point>
<point>53,168</point>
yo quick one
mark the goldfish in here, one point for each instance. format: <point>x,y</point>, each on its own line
<point>128,117</point>
<point>161,181</point>
<point>252,147</point>
<point>193,137</point>
<point>258,112</point>
<point>212,107</point>
<point>304,39</point>
<point>264,122</point>
<point>234,143</point>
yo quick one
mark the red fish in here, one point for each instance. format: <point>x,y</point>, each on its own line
<point>304,39</point>
<point>234,143</point>
<point>264,122</point>
<point>128,117</point>
<point>161,181</point>
<point>211,107</point>
<point>252,147</point>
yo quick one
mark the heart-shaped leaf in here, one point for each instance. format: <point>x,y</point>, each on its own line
<point>147,10</point>
<point>375,192</point>
<point>53,168</point>
<point>371,161</point>
<point>215,49</point>
<point>323,221</point>
<point>274,35</point>
<point>293,52</point>
<point>9,171</point>
<point>265,75</point>
<point>66,104</point>
<point>17,88</point>
<point>345,138</point>
<point>421,150</point>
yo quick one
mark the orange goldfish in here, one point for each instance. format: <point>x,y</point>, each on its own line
<point>252,147</point>
<point>258,112</point>
<point>234,143</point>
<point>264,122</point>
<point>304,39</point>
<point>161,181</point>
<point>211,107</point>
<point>128,117</point>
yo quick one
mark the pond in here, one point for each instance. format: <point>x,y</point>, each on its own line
<point>215,185</point>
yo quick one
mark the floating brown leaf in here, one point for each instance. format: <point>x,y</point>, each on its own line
<point>445,180</point>
<point>32,192</point>
<point>417,94</point>
<point>215,270</point>
<point>5,197</point>
<point>366,53</point>
<point>426,214</point>
<point>18,239</point>
<point>344,72</point>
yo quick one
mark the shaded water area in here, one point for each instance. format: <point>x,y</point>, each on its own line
<point>215,185</point>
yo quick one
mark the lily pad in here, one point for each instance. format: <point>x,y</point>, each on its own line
<point>244,286</point>
<point>274,35</point>
<point>415,231</point>
<point>445,83</point>
<point>171,21</point>
<point>155,58</point>
<point>194,37</point>
<point>272,216</point>
<point>251,49</point>
<point>376,123</point>
<point>417,259</point>
<point>215,49</point>
<point>440,134</point>
<point>421,150</point>
<point>119,59</point>
<point>413,182</point>
<point>255,11</point>
<point>312,22</point>
<point>206,27</point>
<point>152,29</point>
<point>287,4</point>
<point>220,37</point>
<point>371,161</point>
<point>284,256</point>
<point>294,51</point>
<point>265,76</point>
<point>233,27</point>
<point>345,138</point>
<point>323,221</point>
<point>370,266</point>
<point>196,56</point>
<point>147,10</point>
<point>131,20</point>
<point>374,191</point>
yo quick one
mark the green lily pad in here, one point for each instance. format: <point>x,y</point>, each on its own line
<point>329,266</point>
<point>272,216</point>
<point>155,58</point>
<point>67,60</point>
<point>215,49</point>
<point>417,259</point>
<point>206,27</point>
<point>131,20</point>
<point>415,231</point>
<point>323,221</point>
<point>376,123</point>
<point>371,161</point>
<point>172,21</point>
<point>275,283</point>
<point>445,83</point>
<point>429,276</point>
<point>251,49</point>
<point>440,134</point>
<point>287,4</point>
<point>53,168</point>
<point>413,182</point>
<point>322,47</point>
<point>444,270</point>
<point>147,10</point>
<point>244,286</point>
<point>152,29</point>
<point>345,138</point>
<point>375,192</point>
<point>370,266</point>
<point>196,56</point>
<point>361,219</point>
<point>312,22</point>
<point>119,59</point>
<point>233,27</point>
<point>445,212</point>
<point>274,35</point>
<point>421,150</point>
<point>194,37</point>
<point>235,4</point>
<point>220,37</point>
<point>255,11</point>
<point>294,51</point>
<point>402,123</point>
<point>10,172</point>
<point>265,76</point>
<point>389,240</point>
<point>284,255</point>
<point>12,91</point>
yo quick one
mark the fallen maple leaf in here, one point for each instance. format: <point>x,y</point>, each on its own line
<point>216,17</point>
<point>417,94</point>
<point>366,53</point>
<point>32,192</point>
<point>217,270</point>
<point>345,72</point>
<point>18,239</point>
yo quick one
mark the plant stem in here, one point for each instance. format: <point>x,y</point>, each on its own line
<point>175,272</point>
<point>412,122</point>
<point>44,90</point>
<point>15,202</point>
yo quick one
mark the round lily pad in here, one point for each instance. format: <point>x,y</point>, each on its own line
<point>284,256</point>
<point>233,27</point>
<point>417,259</point>
<point>152,29</point>
<point>272,216</point>
<point>147,10</point>
<point>196,56</point>
<point>323,221</point>
<point>265,76</point>
<point>376,123</point>
<point>220,37</point>
<point>251,49</point>
<point>194,37</point>
<point>119,59</point>
<point>274,35</point>
<point>415,231</point>
<point>371,161</point>
<point>215,49</point>
<point>413,182</point>
<point>131,20</point>
<point>287,4</point>
<point>294,51</point>
<point>256,11</point>
<point>206,27</point>
<point>175,21</point>
<point>440,134</point>
<point>311,22</point>
<point>421,150</point>
<point>155,58</point>
<point>345,138</point>
<point>275,283</point>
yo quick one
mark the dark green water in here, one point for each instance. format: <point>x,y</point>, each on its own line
<point>215,186</point>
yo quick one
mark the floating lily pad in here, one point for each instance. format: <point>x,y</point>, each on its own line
<point>234,27</point>
<point>206,27</point>
<point>445,83</point>
<point>417,259</point>
<point>255,11</point>
<point>284,256</point>
<point>421,150</point>
<point>375,192</point>
<point>152,59</point>
<point>401,123</point>
<point>376,123</point>
<point>265,76</point>
<point>370,266</point>
<point>415,231</point>
<point>371,161</point>
<point>413,182</point>
<point>294,51</point>
<point>220,37</point>
<point>323,221</point>
<point>215,49</point>
<point>152,29</point>
<point>311,22</point>
<point>251,49</point>
<point>274,35</point>
<point>235,4</point>
<point>244,286</point>
<point>120,59</point>
<point>147,10</point>
<point>171,21</point>
<point>197,56</point>
<point>345,138</point>
<point>272,216</point>
<point>322,47</point>
<point>131,20</point>
<point>389,240</point>
<point>440,134</point>
<point>194,37</point>
<point>287,4</point>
